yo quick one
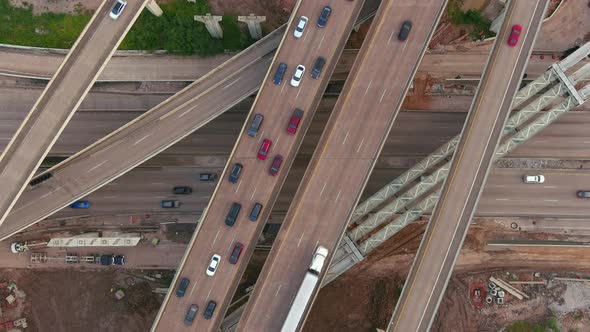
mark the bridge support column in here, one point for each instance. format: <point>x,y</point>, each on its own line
<point>253,24</point>
<point>212,24</point>
<point>153,7</point>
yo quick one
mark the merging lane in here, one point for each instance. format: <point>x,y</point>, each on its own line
<point>345,156</point>
<point>255,184</point>
<point>60,99</point>
<point>448,226</point>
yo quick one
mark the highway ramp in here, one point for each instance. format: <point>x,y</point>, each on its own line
<point>448,226</point>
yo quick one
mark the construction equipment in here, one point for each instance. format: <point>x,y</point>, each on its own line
<point>17,247</point>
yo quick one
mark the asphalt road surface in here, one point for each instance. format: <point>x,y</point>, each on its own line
<point>61,98</point>
<point>141,68</point>
<point>344,157</point>
<point>276,103</point>
<point>444,236</point>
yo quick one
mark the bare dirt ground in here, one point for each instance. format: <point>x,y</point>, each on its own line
<point>72,300</point>
<point>569,24</point>
<point>364,297</point>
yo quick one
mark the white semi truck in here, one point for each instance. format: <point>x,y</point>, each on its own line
<point>305,291</point>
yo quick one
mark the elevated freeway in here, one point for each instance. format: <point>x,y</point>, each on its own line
<point>165,68</point>
<point>446,231</point>
<point>255,184</point>
<point>344,157</point>
<point>150,133</point>
<point>60,99</point>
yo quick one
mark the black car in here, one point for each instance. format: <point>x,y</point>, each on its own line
<point>317,67</point>
<point>232,215</point>
<point>323,19</point>
<point>235,173</point>
<point>404,32</point>
<point>190,314</point>
<point>182,190</point>
<point>255,213</point>
<point>280,73</point>
<point>182,286</point>
<point>210,309</point>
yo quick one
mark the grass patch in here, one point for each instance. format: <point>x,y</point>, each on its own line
<point>20,27</point>
<point>479,25</point>
<point>522,326</point>
<point>525,327</point>
<point>175,31</point>
<point>233,37</point>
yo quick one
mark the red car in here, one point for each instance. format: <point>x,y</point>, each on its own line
<point>514,35</point>
<point>294,122</point>
<point>264,148</point>
<point>236,252</point>
<point>276,165</point>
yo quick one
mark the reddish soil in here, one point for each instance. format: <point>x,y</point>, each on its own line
<point>73,300</point>
<point>364,298</point>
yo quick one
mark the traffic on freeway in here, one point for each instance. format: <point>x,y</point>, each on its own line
<point>62,96</point>
<point>257,168</point>
<point>353,138</point>
<point>444,236</point>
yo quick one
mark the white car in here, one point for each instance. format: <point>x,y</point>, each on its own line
<point>213,265</point>
<point>300,27</point>
<point>296,79</point>
<point>117,9</point>
<point>533,179</point>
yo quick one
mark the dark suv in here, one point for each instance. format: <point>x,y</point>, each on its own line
<point>317,67</point>
<point>323,19</point>
<point>232,215</point>
<point>235,173</point>
<point>210,309</point>
<point>280,73</point>
<point>182,286</point>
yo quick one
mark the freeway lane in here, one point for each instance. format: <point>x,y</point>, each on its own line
<point>345,156</point>
<point>60,99</point>
<point>140,68</point>
<point>276,103</point>
<point>448,226</point>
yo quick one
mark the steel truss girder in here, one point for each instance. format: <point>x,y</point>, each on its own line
<point>428,203</point>
<point>440,174</point>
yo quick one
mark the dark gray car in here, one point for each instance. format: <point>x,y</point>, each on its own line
<point>232,215</point>
<point>190,314</point>
<point>405,31</point>
<point>210,309</point>
<point>317,67</point>
<point>255,213</point>
<point>255,125</point>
